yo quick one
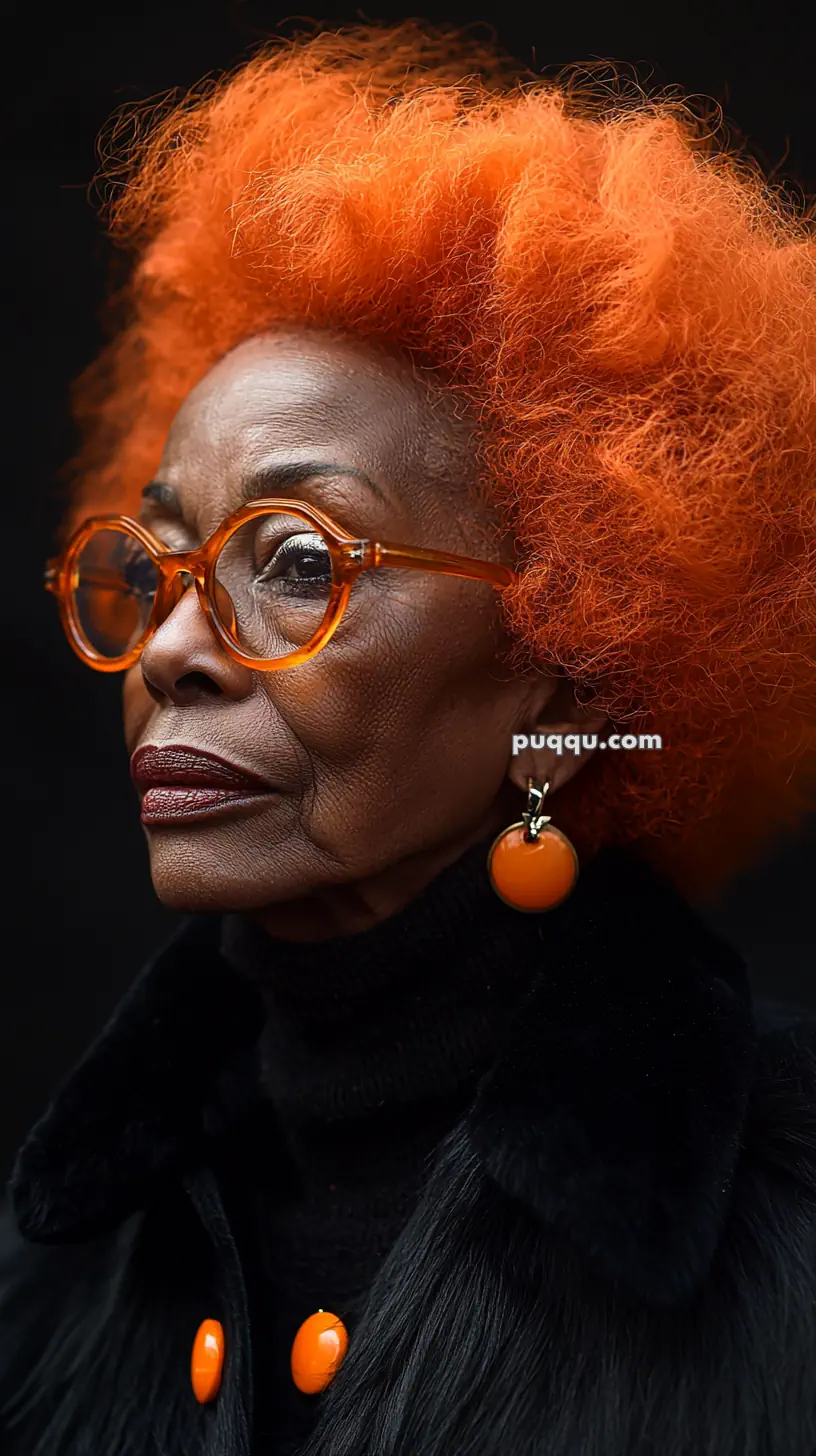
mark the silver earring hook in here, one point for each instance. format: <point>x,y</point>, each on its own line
<point>533,818</point>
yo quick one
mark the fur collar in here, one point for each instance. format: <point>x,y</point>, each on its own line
<point>614,1112</point>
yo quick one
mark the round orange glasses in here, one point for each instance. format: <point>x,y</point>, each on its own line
<point>273,582</point>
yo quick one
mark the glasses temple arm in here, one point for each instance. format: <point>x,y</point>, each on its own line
<point>447,564</point>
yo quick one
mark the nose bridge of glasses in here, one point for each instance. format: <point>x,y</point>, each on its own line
<point>179,571</point>
<point>174,564</point>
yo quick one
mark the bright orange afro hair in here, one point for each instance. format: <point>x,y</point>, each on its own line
<point>631,311</point>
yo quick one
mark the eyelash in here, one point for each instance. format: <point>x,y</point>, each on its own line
<point>287,552</point>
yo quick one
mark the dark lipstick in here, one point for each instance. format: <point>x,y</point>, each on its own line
<point>178,784</point>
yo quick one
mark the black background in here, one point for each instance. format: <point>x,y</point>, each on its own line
<point>79,914</point>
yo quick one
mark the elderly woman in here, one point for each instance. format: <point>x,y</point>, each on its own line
<point>447,504</point>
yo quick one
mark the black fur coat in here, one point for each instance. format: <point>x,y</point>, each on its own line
<point>615,1252</point>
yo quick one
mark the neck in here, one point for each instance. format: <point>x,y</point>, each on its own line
<point>350,909</point>
<point>364,1030</point>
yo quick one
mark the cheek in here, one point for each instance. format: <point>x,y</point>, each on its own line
<point>410,715</point>
<point>137,707</point>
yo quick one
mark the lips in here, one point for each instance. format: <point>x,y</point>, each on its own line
<point>179,784</point>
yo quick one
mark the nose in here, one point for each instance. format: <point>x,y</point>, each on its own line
<point>184,661</point>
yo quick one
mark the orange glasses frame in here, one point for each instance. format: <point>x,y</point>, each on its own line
<point>350,556</point>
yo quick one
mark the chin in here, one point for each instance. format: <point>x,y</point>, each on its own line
<point>195,876</point>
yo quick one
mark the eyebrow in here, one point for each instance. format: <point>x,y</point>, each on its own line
<point>270,480</point>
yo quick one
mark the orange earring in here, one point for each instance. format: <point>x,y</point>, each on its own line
<point>532,866</point>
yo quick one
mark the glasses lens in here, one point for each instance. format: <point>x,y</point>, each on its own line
<point>114,587</point>
<point>275,572</point>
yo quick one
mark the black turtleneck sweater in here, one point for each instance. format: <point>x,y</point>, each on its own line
<point>637,1163</point>
<point>373,1047</point>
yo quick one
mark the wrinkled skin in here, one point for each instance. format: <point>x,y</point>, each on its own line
<point>391,750</point>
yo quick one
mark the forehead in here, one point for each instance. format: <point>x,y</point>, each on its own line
<point>278,395</point>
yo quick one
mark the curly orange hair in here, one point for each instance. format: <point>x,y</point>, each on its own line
<point>627,304</point>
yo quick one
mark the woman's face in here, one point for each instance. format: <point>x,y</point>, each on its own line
<point>388,753</point>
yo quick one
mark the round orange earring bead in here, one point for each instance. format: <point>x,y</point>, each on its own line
<point>208,1360</point>
<point>532,874</point>
<point>318,1350</point>
<point>532,865</point>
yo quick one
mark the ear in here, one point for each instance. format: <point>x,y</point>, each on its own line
<point>562,737</point>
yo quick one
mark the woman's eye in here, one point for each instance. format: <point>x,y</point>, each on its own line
<point>136,569</point>
<point>301,561</point>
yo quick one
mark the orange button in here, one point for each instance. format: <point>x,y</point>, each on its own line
<point>318,1349</point>
<point>536,874</point>
<point>208,1360</point>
